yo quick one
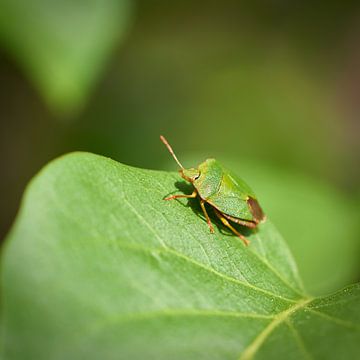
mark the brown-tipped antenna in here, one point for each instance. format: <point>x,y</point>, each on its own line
<point>170,150</point>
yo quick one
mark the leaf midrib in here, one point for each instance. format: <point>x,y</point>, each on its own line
<point>255,345</point>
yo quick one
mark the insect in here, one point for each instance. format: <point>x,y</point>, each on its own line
<point>231,198</point>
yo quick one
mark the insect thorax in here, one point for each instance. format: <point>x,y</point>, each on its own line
<point>209,179</point>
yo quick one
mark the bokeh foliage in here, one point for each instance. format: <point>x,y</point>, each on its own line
<point>63,45</point>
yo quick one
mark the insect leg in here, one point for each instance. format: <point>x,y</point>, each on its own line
<point>202,204</point>
<point>249,224</point>
<point>227,224</point>
<point>193,195</point>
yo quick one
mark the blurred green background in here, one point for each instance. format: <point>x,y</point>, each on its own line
<point>270,88</point>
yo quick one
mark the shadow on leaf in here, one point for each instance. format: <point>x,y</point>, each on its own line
<point>194,204</point>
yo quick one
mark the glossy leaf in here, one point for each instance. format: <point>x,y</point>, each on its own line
<point>98,266</point>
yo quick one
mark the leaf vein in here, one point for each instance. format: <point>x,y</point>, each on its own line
<point>255,345</point>
<point>210,270</point>
<point>334,319</point>
<point>298,339</point>
<point>265,262</point>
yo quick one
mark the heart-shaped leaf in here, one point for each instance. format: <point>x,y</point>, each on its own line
<point>98,266</point>
<point>62,45</point>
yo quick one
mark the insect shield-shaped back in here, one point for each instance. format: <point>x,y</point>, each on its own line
<point>228,193</point>
<point>231,198</point>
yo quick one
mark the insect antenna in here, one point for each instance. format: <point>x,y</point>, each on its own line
<point>170,150</point>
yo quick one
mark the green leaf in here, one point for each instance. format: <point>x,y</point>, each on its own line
<point>98,266</point>
<point>63,45</point>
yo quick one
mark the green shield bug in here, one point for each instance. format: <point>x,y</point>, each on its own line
<point>231,198</point>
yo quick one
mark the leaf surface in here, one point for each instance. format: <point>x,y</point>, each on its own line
<point>98,266</point>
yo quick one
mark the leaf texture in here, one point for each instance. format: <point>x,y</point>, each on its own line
<point>98,266</point>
